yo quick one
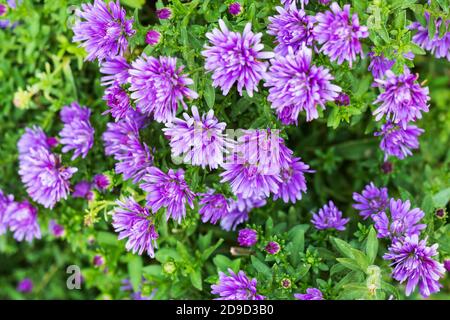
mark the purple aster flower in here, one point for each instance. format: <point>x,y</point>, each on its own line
<point>114,70</point>
<point>213,206</point>
<point>398,141</point>
<point>122,141</point>
<point>329,217</point>
<point>379,65</point>
<point>402,221</point>
<point>439,46</point>
<point>25,286</point>
<point>235,57</point>
<point>136,223</point>
<point>371,201</point>
<point>77,133</point>
<point>247,237</point>
<point>4,23</point>
<point>22,221</point>
<point>403,98</point>
<point>56,229</point>
<point>236,287</point>
<point>98,260</point>
<point>158,85</point>
<point>46,180</point>
<point>152,37</point>
<point>339,32</point>
<point>311,294</point>
<point>163,13</point>
<point>118,102</point>
<point>33,138</point>
<point>272,247</point>
<point>199,140</point>
<point>235,8</point>
<point>342,99</point>
<point>447,264</point>
<point>102,29</point>
<point>101,181</point>
<point>297,84</point>
<point>292,28</point>
<point>13,3</point>
<point>413,262</point>
<point>293,181</point>
<point>83,190</point>
<point>5,201</point>
<point>167,190</point>
<point>3,9</point>
<point>239,210</point>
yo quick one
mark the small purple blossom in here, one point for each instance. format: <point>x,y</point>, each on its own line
<point>3,9</point>
<point>342,99</point>
<point>5,201</point>
<point>247,237</point>
<point>22,221</point>
<point>118,102</point>
<point>135,222</point>
<point>295,83</point>
<point>340,34</point>
<point>329,217</point>
<point>235,8</point>
<point>83,189</point>
<point>403,99</point>
<point>311,294</point>
<point>292,28</point>
<point>447,264</point>
<point>102,29</point>
<point>398,141</point>
<point>98,260</point>
<point>213,206</point>
<point>25,286</point>
<point>101,181</point>
<point>379,65</point>
<point>163,13</point>
<point>239,210</point>
<point>152,37</point>
<point>56,229</point>
<point>235,57</point>
<point>371,201</point>
<point>272,247</point>
<point>236,287</point>
<point>413,262</point>
<point>157,86</point>
<point>77,133</point>
<point>402,221</point>
<point>293,181</point>
<point>168,190</point>
<point>200,140</point>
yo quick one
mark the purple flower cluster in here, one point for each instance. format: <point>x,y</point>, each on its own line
<point>371,201</point>
<point>168,190</point>
<point>311,294</point>
<point>134,222</point>
<point>236,287</point>
<point>77,133</point>
<point>235,57</point>
<point>239,210</point>
<point>247,237</point>
<point>329,217</point>
<point>213,206</point>
<point>297,85</point>
<point>398,141</point>
<point>102,29</point>
<point>379,65</point>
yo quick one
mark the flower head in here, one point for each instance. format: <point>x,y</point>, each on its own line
<point>235,57</point>
<point>398,141</point>
<point>3,9</point>
<point>101,181</point>
<point>200,140</point>
<point>371,201</point>
<point>152,37</point>
<point>213,206</point>
<point>293,181</point>
<point>340,34</point>
<point>342,99</point>
<point>114,70</point>
<point>5,201</point>
<point>311,294</point>
<point>292,28</point>
<point>158,85</point>
<point>22,221</point>
<point>236,287</point>
<point>77,133</point>
<point>118,101</point>
<point>403,99</point>
<point>168,190</point>
<point>239,210</point>
<point>83,190</point>
<point>379,65</point>
<point>247,237</point>
<point>102,29</point>
<point>329,217</point>
<point>296,84</point>
<point>402,221</point>
<point>25,285</point>
<point>413,262</point>
<point>272,247</point>
<point>163,13</point>
<point>56,229</point>
<point>33,138</point>
<point>98,260</point>
<point>135,222</point>
<point>235,8</point>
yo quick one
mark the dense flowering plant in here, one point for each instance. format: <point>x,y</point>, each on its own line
<point>231,150</point>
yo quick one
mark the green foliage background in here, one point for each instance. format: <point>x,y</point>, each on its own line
<point>41,70</point>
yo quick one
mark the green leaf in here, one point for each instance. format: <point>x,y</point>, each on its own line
<point>350,264</point>
<point>441,198</point>
<point>135,4</point>
<point>196,279</point>
<point>204,241</point>
<point>297,235</point>
<point>210,250</point>
<point>261,268</point>
<point>107,239</point>
<point>353,291</point>
<point>165,254</point>
<point>431,27</point>
<point>372,245</point>
<point>209,94</point>
<point>152,270</point>
<point>343,247</point>
<point>135,272</point>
